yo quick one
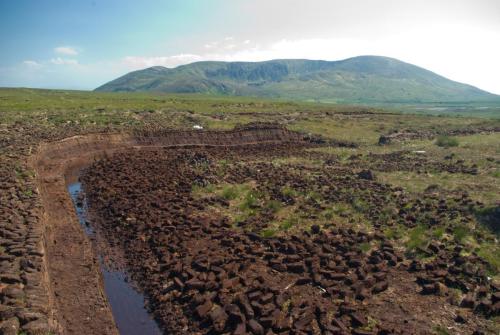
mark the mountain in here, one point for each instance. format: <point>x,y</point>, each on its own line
<point>358,79</point>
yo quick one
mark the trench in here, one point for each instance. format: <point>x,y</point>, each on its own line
<point>127,304</point>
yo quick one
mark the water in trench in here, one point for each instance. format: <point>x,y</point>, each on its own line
<point>127,305</point>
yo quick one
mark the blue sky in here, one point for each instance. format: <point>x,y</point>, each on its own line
<point>82,44</point>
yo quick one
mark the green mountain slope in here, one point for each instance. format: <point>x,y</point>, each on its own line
<point>358,79</point>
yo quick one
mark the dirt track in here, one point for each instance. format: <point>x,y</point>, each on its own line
<point>76,301</point>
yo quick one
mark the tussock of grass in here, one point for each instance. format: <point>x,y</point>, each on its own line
<point>438,232</point>
<point>229,192</point>
<point>289,223</point>
<point>417,237</point>
<point>460,233</point>
<point>446,142</point>
<point>273,205</point>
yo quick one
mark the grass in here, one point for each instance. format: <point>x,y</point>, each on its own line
<point>438,232</point>
<point>446,141</point>
<point>365,247</point>
<point>229,192</point>
<point>460,233</point>
<point>273,205</point>
<point>268,232</point>
<point>491,253</point>
<point>417,237</point>
<point>440,330</point>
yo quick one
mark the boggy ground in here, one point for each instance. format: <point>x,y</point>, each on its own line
<point>40,296</point>
<point>275,238</point>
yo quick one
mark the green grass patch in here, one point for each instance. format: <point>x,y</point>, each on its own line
<point>288,223</point>
<point>365,247</point>
<point>417,237</point>
<point>438,232</point>
<point>460,233</point>
<point>268,232</point>
<point>289,192</point>
<point>490,253</point>
<point>230,192</point>
<point>446,142</point>
<point>395,232</point>
<point>273,205</point>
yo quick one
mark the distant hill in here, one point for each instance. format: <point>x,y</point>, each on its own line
<point>358,79</point>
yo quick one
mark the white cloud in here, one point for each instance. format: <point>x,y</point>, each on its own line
<point>139,62</point>
<point>63,61</point>
<point>32,64</point>
<point>65,50</point>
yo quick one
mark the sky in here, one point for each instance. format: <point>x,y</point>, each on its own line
<point>72,44</point>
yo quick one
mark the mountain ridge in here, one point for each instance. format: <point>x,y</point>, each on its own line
<point>356,79</point>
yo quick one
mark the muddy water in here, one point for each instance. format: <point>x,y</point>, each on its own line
<point>127,305</point>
